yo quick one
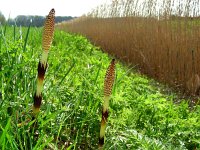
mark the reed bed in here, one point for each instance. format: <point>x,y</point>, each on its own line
<point>162,44</point>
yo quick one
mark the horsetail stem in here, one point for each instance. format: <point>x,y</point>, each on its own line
<point>108,84</point>
<point>47,37</point>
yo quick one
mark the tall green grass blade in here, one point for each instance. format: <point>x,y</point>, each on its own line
<point>71,67</point>
<point>26,38</point>
<point>3,37</point>
<point>14,32</point>
<point>5,28</point>
<point>3,138</point>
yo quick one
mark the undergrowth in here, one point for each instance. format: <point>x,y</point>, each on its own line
<point>140,116</point>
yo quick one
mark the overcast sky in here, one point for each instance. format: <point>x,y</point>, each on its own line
<point>42,7</point>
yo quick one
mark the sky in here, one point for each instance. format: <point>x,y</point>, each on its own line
<point>42,7</point>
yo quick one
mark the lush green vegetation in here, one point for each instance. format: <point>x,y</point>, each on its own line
<point>140,116</point>
<point>135,31</point>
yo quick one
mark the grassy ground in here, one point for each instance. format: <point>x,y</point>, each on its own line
<point>140,116</point>
<point>137,40</point>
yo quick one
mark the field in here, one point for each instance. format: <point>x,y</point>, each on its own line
<point>163,44</point>
<point>140,117</point>
<point>137,41</point>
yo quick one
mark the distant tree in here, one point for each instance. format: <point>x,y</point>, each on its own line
<point>11,21</point>
<point>62,18</point>
<point>36,21</point>
<point>22,20</point>
<point>2,18</point>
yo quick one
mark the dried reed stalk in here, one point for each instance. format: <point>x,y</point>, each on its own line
<point>166,49</point>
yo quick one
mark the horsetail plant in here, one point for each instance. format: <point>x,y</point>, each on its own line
<point>108,84</point>
<point>47,37</point>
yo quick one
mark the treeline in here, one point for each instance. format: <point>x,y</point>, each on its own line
<point>2,18</point>
<point>36,21</point>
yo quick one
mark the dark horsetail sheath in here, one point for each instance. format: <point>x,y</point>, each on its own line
<point>108,84</point>
<point>47,37</point>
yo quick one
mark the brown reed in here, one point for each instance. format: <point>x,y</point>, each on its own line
<point>164,44</point>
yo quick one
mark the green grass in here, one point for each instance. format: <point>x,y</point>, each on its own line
<point>140,116</point>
